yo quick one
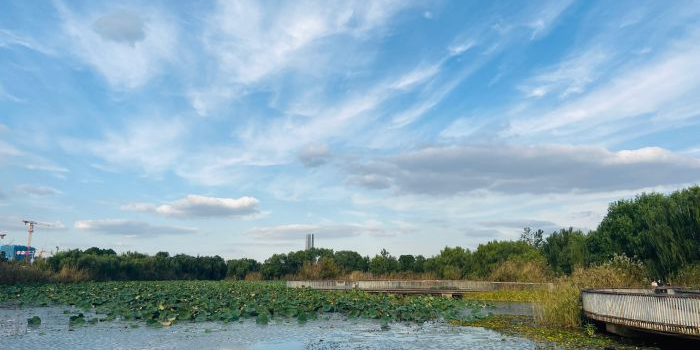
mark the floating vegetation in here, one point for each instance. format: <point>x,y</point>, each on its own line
<point>161,304</point>
<point>34,321</point>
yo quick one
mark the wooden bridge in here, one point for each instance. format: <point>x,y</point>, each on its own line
<point>662,310</point>
<point>435,287</point>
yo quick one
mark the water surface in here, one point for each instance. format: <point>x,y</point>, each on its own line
<point>333,332</point>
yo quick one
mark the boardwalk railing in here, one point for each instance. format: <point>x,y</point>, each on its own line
<point>427,285</point>
<point>667,311</point>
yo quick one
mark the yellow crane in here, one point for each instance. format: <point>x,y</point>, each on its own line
<point>30,229</point>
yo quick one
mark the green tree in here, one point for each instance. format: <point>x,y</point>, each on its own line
<point>349,261</point>
<point>488,256</point>
<point>383,263</point>
<point>239,268</point>
<point>407,263</point>
<point>564,250</point>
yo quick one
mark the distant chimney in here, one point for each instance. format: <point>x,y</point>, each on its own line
<point>309,241</point>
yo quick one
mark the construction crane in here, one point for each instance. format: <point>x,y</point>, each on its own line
<point>30,229</point>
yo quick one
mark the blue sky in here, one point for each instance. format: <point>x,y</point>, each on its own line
<point>234,128</point>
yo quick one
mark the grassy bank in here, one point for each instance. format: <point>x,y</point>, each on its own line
<point>551,338</point>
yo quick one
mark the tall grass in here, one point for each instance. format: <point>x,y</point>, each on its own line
<point>521,271</point>
<point>18,273</point>
<point>561,307</point>
<point>688,276</point>
<point>12,273</point>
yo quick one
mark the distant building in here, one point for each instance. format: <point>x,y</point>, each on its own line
<point>309,241</point>
<point>17,252</point>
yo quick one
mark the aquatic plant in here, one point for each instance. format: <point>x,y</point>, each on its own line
<point>169,302</point>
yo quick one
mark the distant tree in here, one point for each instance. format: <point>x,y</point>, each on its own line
<point>533,238</point>
<point>239,268</point>
<point>419,265</point>
<point>348,261</point>
<point>452,263</point>
<point>407,263</point>
<point>383,263</point>
<point>98,251</point>
<point>488,256</point>
<point>275,267</point>
<point>327,268</point>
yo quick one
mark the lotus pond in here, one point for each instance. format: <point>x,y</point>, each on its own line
<point>166,303</point>
<point>238,315</point>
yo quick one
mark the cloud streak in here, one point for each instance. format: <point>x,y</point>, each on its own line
<point>193,206</point>
<point>534,169</point>
<point>42,191</point>
<point>135,228</point>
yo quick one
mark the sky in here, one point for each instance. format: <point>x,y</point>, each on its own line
<point>235,128</point>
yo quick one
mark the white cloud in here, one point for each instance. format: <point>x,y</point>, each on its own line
<point>130,227</point>
<point>458,49</point>
<point>38,190</point>
<point>128,47</point>
<point>201,206</point>
<point>535,169</point>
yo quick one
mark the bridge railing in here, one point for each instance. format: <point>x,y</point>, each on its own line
<point>672,311</point>
<point>461,285</point>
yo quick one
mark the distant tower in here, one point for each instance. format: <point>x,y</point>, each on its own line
<point>309,241</point>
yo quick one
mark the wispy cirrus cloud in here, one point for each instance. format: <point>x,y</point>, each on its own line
<point>654,88</point>
<point>152,145</point>
<point>569,77</point>
<point>38,190</point>
<point>274,40</point>
<point>201,206</point>
<point>11,155</point>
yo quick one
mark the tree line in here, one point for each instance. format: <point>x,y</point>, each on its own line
<point>660,231</point>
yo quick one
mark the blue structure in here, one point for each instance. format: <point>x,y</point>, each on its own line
<point>17,252</point>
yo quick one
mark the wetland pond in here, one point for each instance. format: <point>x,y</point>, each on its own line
<point>328,332</point>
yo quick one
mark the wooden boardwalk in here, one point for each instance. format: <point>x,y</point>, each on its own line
<point>663,310</point>
<point>434,287</point>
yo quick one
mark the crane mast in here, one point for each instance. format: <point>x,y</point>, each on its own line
<point>30,229</point>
